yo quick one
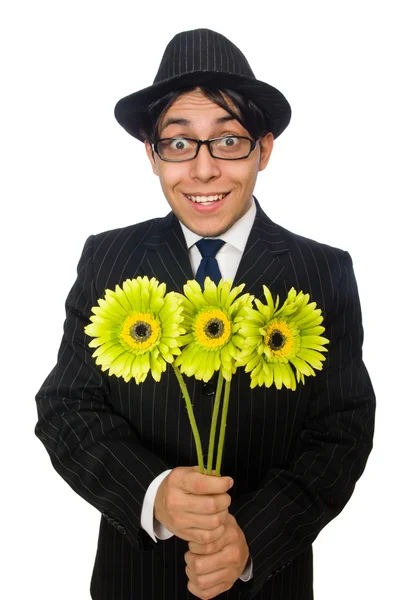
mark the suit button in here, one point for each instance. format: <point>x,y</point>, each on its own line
<point>121,529</point>
<point>209,388</point>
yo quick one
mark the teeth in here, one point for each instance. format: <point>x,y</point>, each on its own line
<point>206,199</point>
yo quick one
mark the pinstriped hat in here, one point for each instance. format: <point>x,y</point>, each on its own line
<point>204,57</point>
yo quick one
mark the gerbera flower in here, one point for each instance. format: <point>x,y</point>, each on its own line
<point>136,329</point>
<point>211,318</point>
<point>276,338</point>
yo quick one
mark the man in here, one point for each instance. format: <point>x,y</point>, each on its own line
<point>292,458</point>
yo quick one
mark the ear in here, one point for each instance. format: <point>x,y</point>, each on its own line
<point>151,156</point>
<point>266,146</point>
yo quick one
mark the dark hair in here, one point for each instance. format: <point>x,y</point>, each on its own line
<point>246,112</point>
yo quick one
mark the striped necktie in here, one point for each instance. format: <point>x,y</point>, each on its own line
<point>209,265</point>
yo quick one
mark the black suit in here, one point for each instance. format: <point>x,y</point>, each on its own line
<point>294,456</point>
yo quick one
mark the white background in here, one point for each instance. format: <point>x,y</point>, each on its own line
<point>69,170</point>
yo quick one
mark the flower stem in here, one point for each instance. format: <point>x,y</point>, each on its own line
<point>214,421</point>
<point>222,428</point>
<point>192,420</point>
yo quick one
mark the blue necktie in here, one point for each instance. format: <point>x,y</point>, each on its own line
<point>209,265</point>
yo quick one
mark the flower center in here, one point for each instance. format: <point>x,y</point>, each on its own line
<point>280,338</point>
<point>140,331</point>
<point>277,340</point>
<point>212,328</point>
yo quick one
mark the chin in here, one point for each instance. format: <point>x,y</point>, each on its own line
<point>205,231</point>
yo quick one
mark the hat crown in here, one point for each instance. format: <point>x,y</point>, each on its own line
<point>201,50</point>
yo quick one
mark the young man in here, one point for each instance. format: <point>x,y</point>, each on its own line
<point>292,458</point>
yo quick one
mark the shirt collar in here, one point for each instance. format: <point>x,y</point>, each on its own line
<point>236,236</point>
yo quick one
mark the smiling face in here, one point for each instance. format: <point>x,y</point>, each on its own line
<point>193,115</point>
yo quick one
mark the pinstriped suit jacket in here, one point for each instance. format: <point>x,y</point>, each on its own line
<point>295,456</point>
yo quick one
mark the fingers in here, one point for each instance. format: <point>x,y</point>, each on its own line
<point>209,585</point>
<point>209,593</point>
<point>187,510</point>
<point>199,565</point>
<point>202,536</point>
<point>208,505</point>
<point>177,500</point>
<point>209,548</point>
<point>192,520</point>
<point>197,483</point>
<point>230,558</point>
<point>230,536</point>
<point>205,581</point>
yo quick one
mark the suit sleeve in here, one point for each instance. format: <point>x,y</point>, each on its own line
<point>94,449</point>
<point>282,518</point>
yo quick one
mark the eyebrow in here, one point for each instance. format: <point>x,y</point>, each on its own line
<point>186,123</point>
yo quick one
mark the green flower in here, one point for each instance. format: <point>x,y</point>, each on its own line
<point>276,338</point>
<point>211,319</point>
<point>136,329</point>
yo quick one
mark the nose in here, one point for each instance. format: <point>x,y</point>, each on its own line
<point>204,167</point>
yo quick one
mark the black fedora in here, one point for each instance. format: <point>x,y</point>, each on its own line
<point>201,57</point>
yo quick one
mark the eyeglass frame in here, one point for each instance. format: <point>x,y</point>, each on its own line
<point>204,143</point>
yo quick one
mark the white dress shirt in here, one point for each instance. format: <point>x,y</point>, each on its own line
<point>228,258</point>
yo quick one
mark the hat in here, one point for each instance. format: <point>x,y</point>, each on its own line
<point>204,57</point>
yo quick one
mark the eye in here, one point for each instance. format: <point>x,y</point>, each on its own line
<point>228,141</point>
<point>179,144</point>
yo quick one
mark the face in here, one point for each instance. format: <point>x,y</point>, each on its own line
<point>234,181</point>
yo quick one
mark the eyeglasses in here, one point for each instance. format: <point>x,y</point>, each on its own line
<point>229,147</point>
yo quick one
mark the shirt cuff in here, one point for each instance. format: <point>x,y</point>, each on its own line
<point>153,527</point>
<point>247,574</point>
<point>161,532</point>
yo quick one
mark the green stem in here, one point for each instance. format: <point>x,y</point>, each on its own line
<point>214,421</point>
<point>192,420</point>
<point>222,428</point>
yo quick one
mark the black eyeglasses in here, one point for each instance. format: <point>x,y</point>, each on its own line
<point>229,147</point>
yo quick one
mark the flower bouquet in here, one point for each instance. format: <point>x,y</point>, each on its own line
<point>138,329</point>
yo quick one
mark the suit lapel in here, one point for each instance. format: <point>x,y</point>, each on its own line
<point>264,257</point>
<point>167,256</point>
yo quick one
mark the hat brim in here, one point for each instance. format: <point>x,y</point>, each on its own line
<point>130,110</point>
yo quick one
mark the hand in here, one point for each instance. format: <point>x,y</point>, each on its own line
<point>214,567</point>
<point>193,506</point>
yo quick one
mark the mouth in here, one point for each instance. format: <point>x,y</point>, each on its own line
<point>208,199</point>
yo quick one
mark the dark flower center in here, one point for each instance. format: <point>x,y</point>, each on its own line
<point>277,340</point>
<point>214,328</point>
<point>141,331</point>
